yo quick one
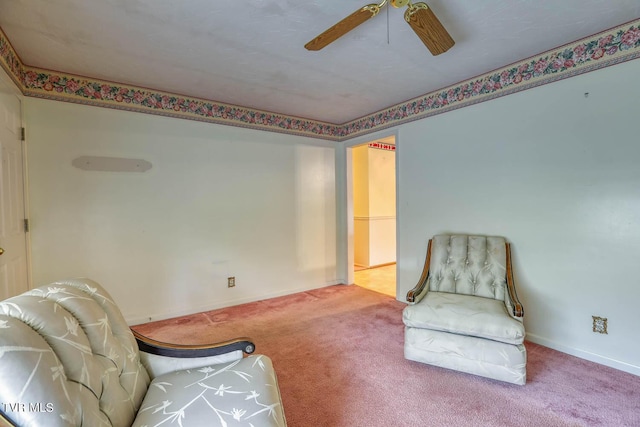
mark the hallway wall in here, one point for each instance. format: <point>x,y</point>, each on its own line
<point>374,206</point>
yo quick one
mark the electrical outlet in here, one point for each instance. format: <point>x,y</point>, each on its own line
<point>231,281</point>
<point>599,324</point>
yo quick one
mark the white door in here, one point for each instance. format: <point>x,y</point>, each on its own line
<point>13,239</point>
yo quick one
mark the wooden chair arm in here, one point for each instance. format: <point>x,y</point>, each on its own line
<point>518,310</point>
<point>413,293</point>
<point>149,345</point>
<point>4,422</point>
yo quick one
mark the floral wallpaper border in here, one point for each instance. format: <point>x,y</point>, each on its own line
<point>10,61</point>
<point>65,87</point>
<point>610,47</point>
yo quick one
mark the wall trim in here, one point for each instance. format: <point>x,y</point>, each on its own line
<point>374,218</point>
<point>46,84</point>
<point>138,320</point>
<point>10,61</point>
<point>610,47</point>
<point>592,357</point>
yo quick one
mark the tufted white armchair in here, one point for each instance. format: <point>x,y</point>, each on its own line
<point>464,313</point>
<point>68,358</point>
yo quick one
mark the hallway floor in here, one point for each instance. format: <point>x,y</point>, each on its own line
<point>379,279</point>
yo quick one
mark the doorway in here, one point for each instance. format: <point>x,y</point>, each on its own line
<point>373,182</point>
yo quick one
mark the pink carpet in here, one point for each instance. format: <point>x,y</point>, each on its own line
<point>338,353</point>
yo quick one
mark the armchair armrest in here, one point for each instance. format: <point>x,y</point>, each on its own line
<point>419,288</point>
<point>518,310</point>
<point>160,357</point>
<point>4,422</point>
<point>159,348</point>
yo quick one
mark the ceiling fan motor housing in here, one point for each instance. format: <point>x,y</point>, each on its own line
<point>399,3</point>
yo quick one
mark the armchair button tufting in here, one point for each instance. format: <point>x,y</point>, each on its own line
<point>468,285</point>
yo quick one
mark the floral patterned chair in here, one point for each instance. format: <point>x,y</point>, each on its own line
<point>68,358</point>
<point>464,313</point>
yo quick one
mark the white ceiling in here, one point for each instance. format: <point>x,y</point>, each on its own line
<point>250,53</point>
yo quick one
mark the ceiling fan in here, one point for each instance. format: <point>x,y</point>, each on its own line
<point>418,15</point>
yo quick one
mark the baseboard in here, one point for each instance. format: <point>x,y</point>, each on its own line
<point>386,264</point>
<point>602,360</point>
<point>137,320</point>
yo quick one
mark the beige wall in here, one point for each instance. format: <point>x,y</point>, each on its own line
<point>557,174</point>
<point>219,201</point>
<point>552,170</point>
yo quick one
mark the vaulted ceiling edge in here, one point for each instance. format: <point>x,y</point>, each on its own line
<point>610,47</point>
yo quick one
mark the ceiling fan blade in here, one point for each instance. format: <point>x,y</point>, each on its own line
<point>427,26</point>
<point>343,27</point>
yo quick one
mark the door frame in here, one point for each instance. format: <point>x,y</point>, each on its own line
<point>6,80</point>
<point>344,192</point>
